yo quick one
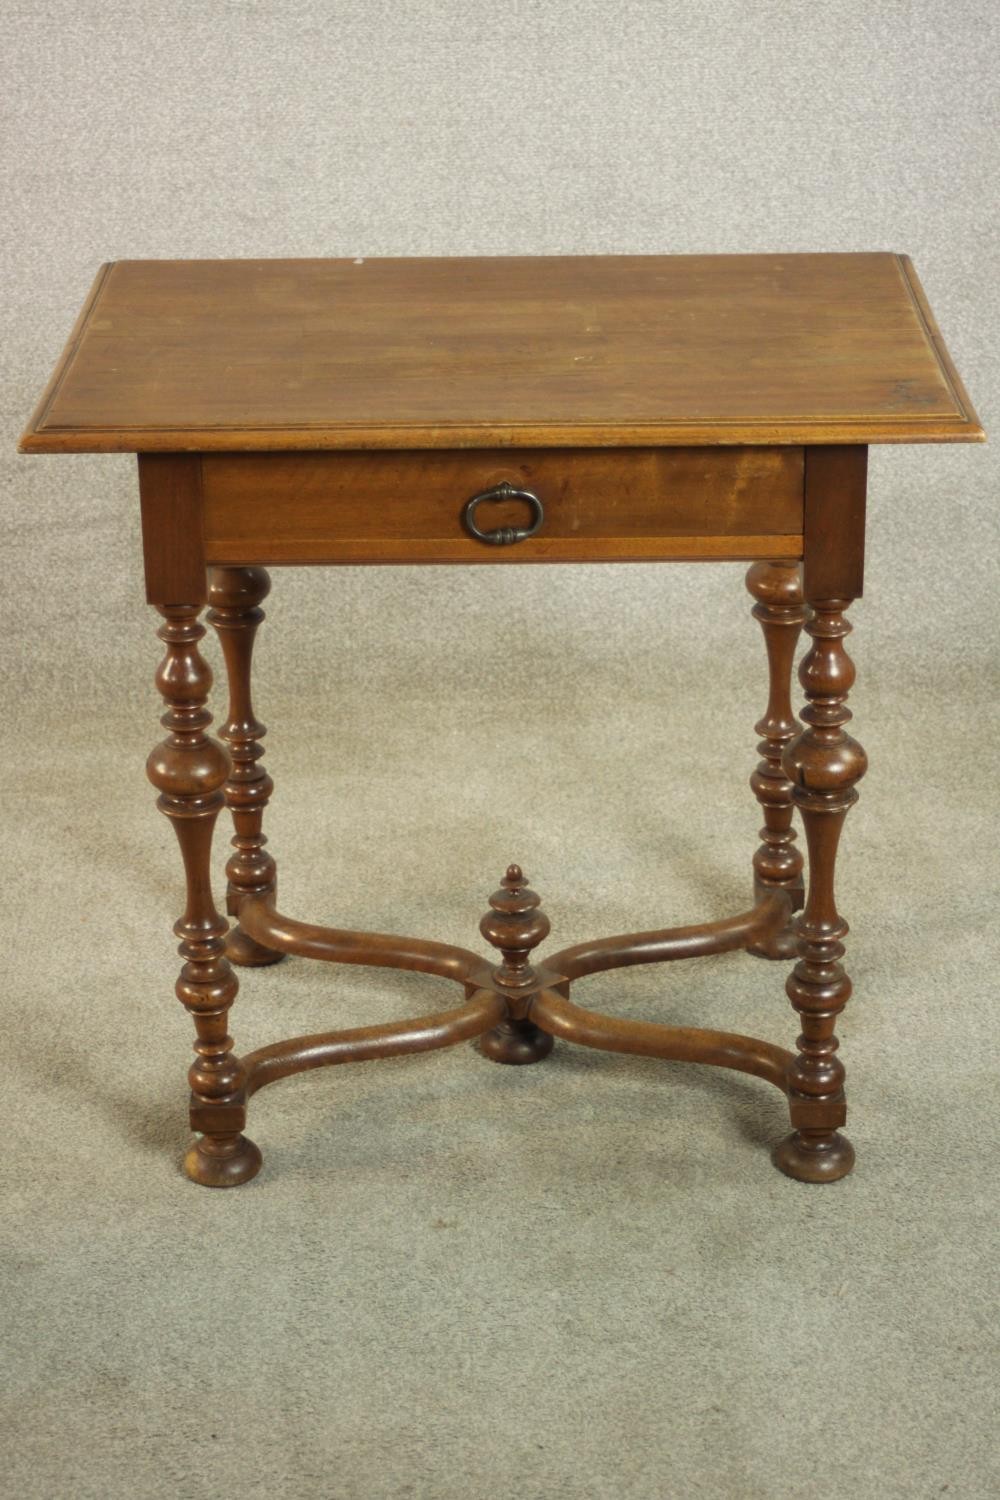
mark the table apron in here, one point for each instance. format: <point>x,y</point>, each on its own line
<point>600,504</point>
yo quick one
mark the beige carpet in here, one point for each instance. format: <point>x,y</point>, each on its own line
<point>583,1280</point>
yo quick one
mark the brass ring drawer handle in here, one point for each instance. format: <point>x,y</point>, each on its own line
<point>503,536</point>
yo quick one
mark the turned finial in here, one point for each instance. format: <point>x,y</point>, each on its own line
<point>515,924</point>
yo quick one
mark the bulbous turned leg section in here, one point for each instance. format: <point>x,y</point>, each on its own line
<point>515,924</point>
<point>188,769</point>
<point>777,864</point>
<point>824,765</point>
<point>235,595</point>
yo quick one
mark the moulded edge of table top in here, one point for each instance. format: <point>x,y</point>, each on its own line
<point>964,427</point>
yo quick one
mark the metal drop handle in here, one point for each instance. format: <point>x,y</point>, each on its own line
<point>503,536</point>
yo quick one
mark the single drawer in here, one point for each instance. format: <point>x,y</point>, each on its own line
<point>596,504</point>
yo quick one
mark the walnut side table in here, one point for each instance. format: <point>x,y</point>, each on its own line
<point>495,410</point>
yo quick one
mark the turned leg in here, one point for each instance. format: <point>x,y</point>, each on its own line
<point>515,925</point>
<point>777,864</point>
<point>189,769</point>
<point>824,765</point>
<point>235,595</point>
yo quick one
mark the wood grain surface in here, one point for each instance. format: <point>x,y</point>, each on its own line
<point>492,352</point>
<point>635,504</point>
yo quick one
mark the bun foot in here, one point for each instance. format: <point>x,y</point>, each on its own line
<point>516,1042</point>
<point>247,952</point>
<point>814,1158</point>
<point>783,944</point>
<point>224,1163</point>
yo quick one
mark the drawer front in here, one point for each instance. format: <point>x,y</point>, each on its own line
<point>599,504</point>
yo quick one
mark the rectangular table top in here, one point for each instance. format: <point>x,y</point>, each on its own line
<point>522,351</point>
